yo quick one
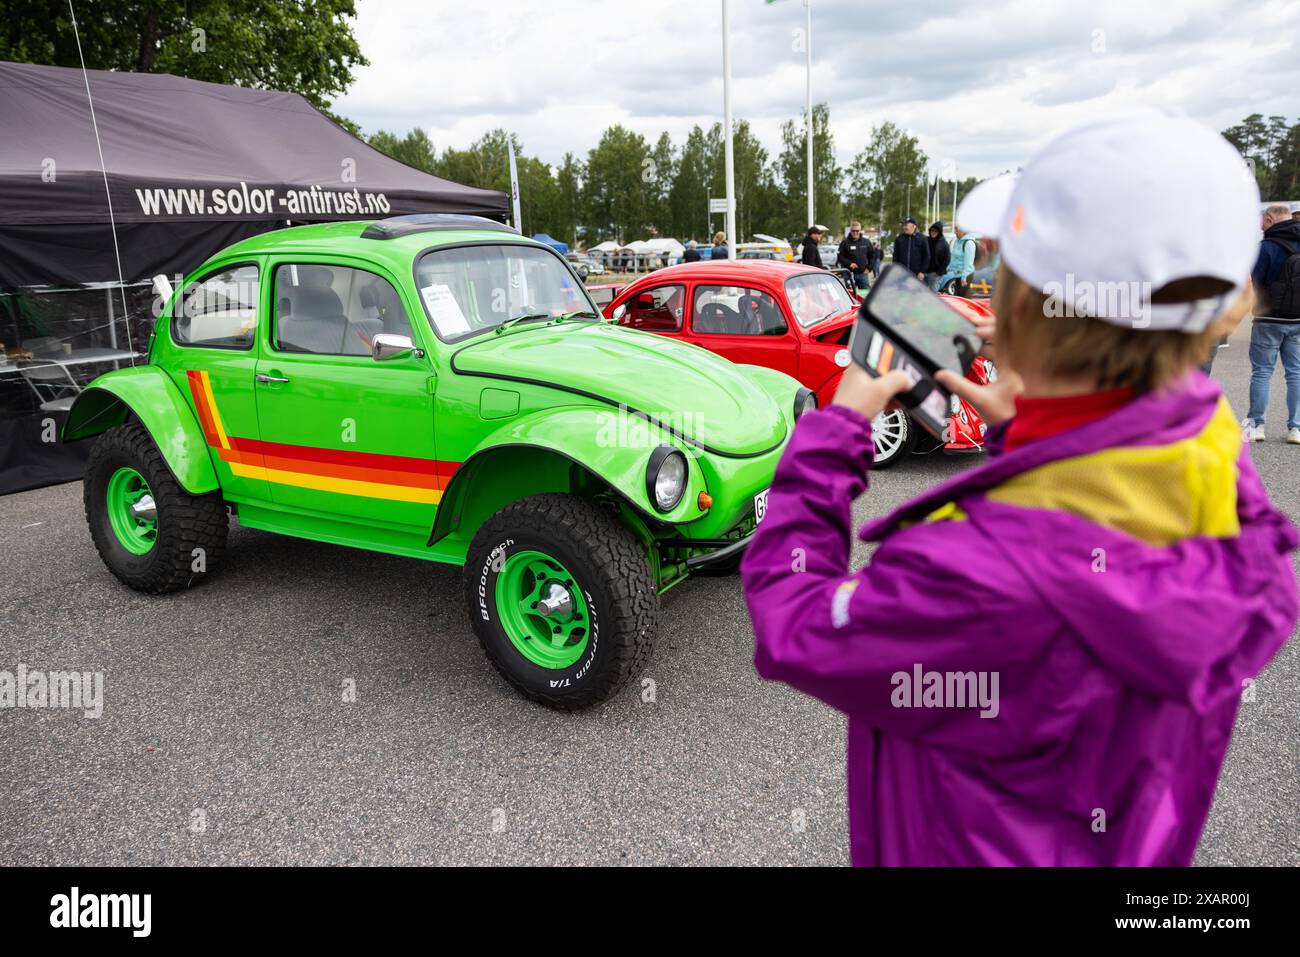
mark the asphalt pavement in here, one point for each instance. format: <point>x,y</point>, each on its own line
<point>226,736</point>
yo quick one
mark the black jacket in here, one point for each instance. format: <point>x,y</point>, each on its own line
<point>720,251</point>
<point>691,255</point>
<point>939,254</point>
<point>855,251</point>
<point>810,255</point>
<point>912,252</point>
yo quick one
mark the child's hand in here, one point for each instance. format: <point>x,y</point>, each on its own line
<point>862,392</point>
<point>995,402</point>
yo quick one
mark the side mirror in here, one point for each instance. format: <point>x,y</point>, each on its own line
<point>162,288</point>
<point>387,346</point>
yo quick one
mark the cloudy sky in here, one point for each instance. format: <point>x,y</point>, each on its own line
<point>981,84</point>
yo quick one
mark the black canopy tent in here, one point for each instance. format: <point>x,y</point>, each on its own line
<point>187,168</point>
<point>190,166</point>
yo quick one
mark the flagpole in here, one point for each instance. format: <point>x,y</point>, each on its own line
<point>812,219</point>
<point>954,198</point>
<point>514,183</point>
<point>728,155</point>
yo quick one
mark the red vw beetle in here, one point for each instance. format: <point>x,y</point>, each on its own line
<point>784,316</point>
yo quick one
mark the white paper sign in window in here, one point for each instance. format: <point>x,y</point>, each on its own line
<point>444,310</point>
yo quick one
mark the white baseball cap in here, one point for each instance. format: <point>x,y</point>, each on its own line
<point>1114,210</point>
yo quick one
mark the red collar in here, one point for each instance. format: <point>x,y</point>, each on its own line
<point>1038,418</point>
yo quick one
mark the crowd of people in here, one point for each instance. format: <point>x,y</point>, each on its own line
<point>930,256</point>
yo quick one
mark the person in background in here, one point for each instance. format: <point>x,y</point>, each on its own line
<point>877,259</point>
<point>962,263</point>
<point>939,256</point>
<point>855,255</point>
<point>1043,660</point>
<point>912,251</point>
<point>720,250</point>
<point>692,254</point>
<point>1276,330</point>
<point>809,254</point>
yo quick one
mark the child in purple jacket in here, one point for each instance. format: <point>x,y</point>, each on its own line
<point>1043,661</point>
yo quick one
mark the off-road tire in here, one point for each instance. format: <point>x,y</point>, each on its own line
<point>607,563</point>
<point>186,523</point>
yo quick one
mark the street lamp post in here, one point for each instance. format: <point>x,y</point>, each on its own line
<point>812,219</point>
<point>728,153</point>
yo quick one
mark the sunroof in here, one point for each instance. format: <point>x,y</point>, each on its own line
<point>396,226</point>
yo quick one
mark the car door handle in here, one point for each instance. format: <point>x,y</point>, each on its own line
<point>263,377</point>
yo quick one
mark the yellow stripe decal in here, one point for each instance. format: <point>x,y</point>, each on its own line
<point>324,483</point>
<point>212,407</point>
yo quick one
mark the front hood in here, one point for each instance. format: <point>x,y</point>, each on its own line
<point>689,389</point>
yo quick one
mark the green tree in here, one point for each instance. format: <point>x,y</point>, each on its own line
<point>617,193</point>
<point>1273,147</point>
<point>658,176</point>
<point>414,149</point>
<point>755,184</point>
<point>690,190</point>
<point>792,173</point>
<point>568,205</point>
<point>299,46</point>
<point>887,178</point>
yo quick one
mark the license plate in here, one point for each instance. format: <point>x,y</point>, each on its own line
<point>760,505</point>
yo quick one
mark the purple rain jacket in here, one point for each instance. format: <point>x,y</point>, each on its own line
<point>1120,582</point>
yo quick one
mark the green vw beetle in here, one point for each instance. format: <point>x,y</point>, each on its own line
<point>438,387</point>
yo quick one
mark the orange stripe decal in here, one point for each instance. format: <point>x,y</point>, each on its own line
<point>346,472</point>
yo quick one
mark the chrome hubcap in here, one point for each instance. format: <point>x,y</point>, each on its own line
<point>145,509</point>
<point>557,604</point>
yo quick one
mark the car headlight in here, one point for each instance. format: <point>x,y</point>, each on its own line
<point>805,400</point>
<point>665,478</point>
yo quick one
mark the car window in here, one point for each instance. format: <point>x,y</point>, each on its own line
<point>816,296</point>
<point>659,309</point>
<point>219,310</point>
<point>736,311</point>
<point>468,289</point>
<point>333,310</point>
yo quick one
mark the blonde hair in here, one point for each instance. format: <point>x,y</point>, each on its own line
<point>1032,336</point>
<point>719,237</point>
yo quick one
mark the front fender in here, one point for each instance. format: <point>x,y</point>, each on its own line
<point>160,407</point>
<point>611,445</point>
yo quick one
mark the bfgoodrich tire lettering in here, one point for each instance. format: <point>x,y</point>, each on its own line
<point>191,529</point>
<point>616,590</point>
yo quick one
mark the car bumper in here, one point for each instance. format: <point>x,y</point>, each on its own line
<point>720,551</point>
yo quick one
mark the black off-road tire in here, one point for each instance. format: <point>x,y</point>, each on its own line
<point>186,523</point>
<point>607,563</point>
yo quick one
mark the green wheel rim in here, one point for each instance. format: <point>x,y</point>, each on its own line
<point>529,585</point>
<point>131,511</point>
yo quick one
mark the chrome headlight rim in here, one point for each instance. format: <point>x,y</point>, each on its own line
<point>801,402</point>
<point>659,459</point>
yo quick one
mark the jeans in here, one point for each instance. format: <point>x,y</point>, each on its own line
<point>1268,340</point>
<point>859,277</point>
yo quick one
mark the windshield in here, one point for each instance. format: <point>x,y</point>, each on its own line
<point>815,296</point>
<point>469,289</point>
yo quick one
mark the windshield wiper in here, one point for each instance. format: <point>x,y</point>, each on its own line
<point>535,316</point>
<point>524,317</point>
